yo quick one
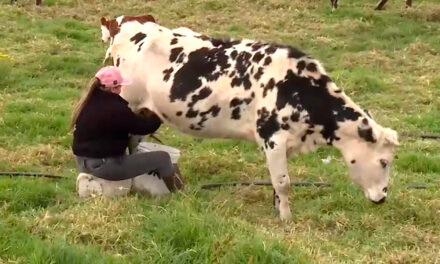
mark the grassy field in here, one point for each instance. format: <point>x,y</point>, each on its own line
<point>387,61</point>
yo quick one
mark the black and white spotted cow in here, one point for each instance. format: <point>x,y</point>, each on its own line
<point>274,95</point>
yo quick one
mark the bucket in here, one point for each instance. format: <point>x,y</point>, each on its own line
<point>149,183</point>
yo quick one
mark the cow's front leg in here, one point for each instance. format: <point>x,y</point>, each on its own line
<point>276,156</point>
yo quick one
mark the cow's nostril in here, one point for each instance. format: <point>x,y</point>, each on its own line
<point>380,201</point>
<point>385,189</point>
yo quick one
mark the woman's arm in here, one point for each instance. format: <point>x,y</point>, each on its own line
<point>145,122</point>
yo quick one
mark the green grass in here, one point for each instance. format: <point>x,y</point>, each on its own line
<point>386,61</point>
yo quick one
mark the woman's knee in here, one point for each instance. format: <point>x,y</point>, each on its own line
<point>163,156</point>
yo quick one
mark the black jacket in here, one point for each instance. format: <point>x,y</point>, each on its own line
<point>104,123</point>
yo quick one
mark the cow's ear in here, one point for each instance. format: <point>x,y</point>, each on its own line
<point>366,132</point>
<point>390,137</point>
<point>151,18</point>
<point>103,21</point>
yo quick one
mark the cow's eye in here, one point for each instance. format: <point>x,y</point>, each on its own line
<point>384,163</point>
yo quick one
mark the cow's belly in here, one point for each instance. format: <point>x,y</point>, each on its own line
<point>221,126</point>
<point>211,117</point>
<point>209,125</point>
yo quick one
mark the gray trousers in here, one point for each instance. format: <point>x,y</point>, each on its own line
<point>127,167</point>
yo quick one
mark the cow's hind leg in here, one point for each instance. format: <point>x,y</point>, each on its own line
<point>276,157</point>
<point>381,4</point>
<point>334,4</point>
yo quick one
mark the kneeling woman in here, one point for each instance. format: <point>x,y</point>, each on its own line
<point>102,122</point>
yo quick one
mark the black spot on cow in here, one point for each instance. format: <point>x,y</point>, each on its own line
<point>246,82</point>
<point>256,46</point>
<point>205,63</point>
<point>365,121</point>
<point>294,53</point>
<point>353,161</point>
<point>213,110</point>
<point>243,63</point>
<point>285,126</point>
<point>267,61</point>
<point>224,43</point>
<point>338,91</point>
<point>191,113</point>
<point>270,50</point>
<point>257,57</point>
<point>180,58</point>
<point>311,67</point>
<point>203,37</point>
<point>177,35</point>
<point>367,134</point>
<point>253,95</point>
<point>237,81</point>
<point>291,51</point>
<point>235,102</point>
<point>269,86</point>
<point>234,54</point>
<point>179,113</point>
<point>165,116</point>
<point>271,145</point>
<point>193,127</point>
<point>167,74</point>
<point>232,74</point>
<point>140,46</point>
<point>323,80</point>
<point>203,93</point>
<point>295,116</point>
<point>248,100</point>
<point>300,66</point>
<point>260,72</point>
<point>138,37</point>
<point>174,41</point>
<point>285,119</point>
<point>118,62</point>
<point>175,52</point>
<point>267,124</point>
<point>322,108</point>
<point>308,132</point>
<point>236,113</point>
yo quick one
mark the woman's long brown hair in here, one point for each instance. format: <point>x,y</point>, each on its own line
<point>87,93</point>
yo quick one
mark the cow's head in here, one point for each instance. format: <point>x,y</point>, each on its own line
<point>109,28</point>
<point>368,151</point>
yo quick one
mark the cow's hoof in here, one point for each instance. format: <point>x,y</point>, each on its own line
<point>285,215</point>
